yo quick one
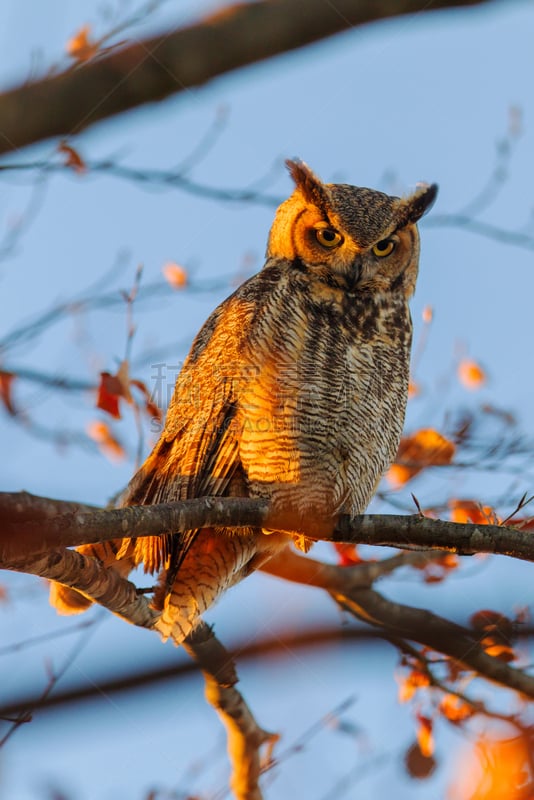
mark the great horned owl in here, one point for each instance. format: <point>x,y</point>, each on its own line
<point>294,390</point>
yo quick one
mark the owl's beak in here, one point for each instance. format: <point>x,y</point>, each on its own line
<point>353,278</point>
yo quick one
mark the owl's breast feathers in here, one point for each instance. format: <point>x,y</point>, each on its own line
<point>292,391</point>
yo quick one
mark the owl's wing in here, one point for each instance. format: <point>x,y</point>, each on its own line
<point>198,453</point>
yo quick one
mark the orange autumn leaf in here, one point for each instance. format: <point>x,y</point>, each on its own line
<point>428,313</point>
<point>497,633</point>
<point>448,561</point>
<point>80,47</point>
<point>445,563</point>
<point>73,158</point>
<point>175,275</point>
<point>107,443</point>
<point>501,651</point>
<point>425,739</point>
<point>6,385</point>
<point>348,554</point>
<point>455,709</point>
<point>414,389</point>
<point>408,684</point>
<point>494,770</point>
<point>438,569</point>
<point>471,374</point>
<point>471,511</point>
<point>424,448</point>
<point>397,475</point>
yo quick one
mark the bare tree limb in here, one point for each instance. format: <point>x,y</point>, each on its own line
<point>150,70</point>
<point>21,536</point>
<point>420,625</point>
<point>244,735</point>
<point>347,587</point>
<point>351,587</point>
<point>88,576</point>
<point>21,506</point>
<point>485,229</point>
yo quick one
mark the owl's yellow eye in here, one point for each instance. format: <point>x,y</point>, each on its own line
<point>384,248</point>
<point>328,237</point>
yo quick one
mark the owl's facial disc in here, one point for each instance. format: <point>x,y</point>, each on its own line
<point>350,237</point>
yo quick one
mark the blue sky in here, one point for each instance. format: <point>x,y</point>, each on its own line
<point>420,98</point>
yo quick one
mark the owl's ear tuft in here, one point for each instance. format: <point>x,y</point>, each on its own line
<point>412,208</point>
<point>309,184</point>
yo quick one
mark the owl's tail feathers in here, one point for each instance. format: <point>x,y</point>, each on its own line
<point>69,601</point>
<point>215,561</point>
<point>66,600</point>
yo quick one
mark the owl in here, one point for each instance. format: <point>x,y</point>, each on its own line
<point>294,390</point>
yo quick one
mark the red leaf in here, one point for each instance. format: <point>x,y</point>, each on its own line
<point>113,387</point>
<point>348,554</point>
<point>73,158</point>
<point>150,407</point>
<point>6,383</point>
<point>109,392</point>
<point>488,620</point>
<point>418,765</point>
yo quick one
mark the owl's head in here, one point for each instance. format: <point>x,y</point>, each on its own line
<point>353,238</point>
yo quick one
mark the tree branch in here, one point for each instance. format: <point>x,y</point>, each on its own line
<point>105,586</point>
<point>20,506</point>
<point>32,523</point>
<point>431,630</point>
<point>350,588</point>
<point>88,576</point>
<point>25,533</point>
<point>244,735</point>
<point>150,70</point>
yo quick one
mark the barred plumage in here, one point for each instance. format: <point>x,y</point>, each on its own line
<point>294,389</point>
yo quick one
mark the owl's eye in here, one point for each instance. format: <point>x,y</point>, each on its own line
<point>384,248</point>
<point>328,237</point>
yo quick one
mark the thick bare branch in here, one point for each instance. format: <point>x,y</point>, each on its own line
<point>420,625</point>
<point>150,70</point>
<point>88,576</point>
<point>20,537</point>
<point>25,506</point>
<point>350,587</point>
<point>245,737</point>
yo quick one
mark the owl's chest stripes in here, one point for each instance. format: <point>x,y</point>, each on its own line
<point>324,407</point>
